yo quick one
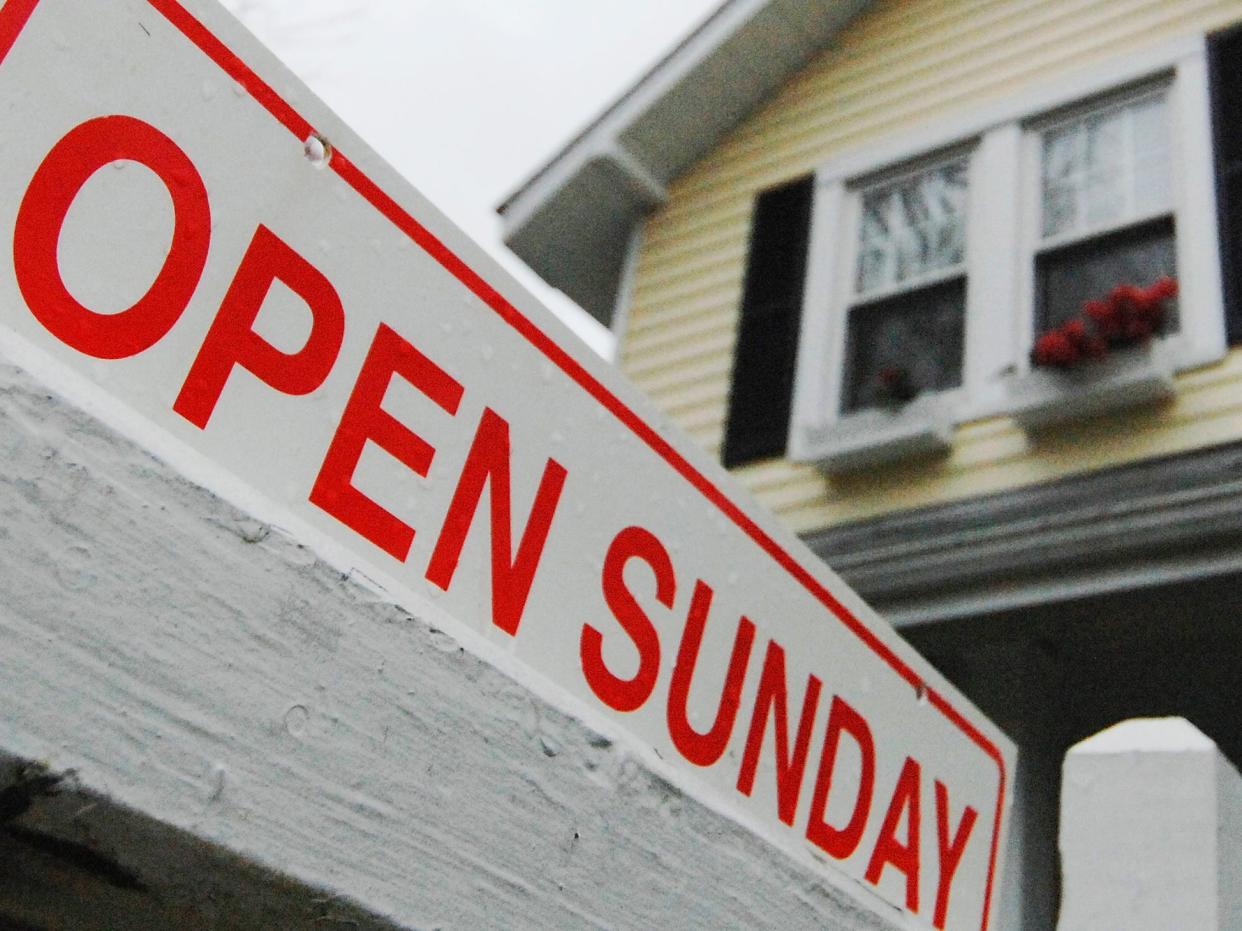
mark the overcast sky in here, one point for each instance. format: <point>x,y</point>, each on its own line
<point>467,97</point>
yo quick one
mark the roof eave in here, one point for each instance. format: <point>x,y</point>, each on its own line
<point>572,221</point>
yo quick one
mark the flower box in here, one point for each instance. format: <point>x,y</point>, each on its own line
<point>1133,377</point>
<point>880,435</point>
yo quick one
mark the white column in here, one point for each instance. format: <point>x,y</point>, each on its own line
<point>1151,831</point>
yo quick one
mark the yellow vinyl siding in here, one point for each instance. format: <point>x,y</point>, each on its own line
<point>901,64</point>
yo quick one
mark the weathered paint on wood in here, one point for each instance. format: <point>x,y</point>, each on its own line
<point>201,667</point>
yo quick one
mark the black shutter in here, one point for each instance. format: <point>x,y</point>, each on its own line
<point>767,338</point>
<point>1225,70</point>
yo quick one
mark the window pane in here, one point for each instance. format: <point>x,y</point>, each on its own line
<point>912,227</point>
<point>913,206</point>
<point>1151,128</point>
<point>1060,209</point>
<point>948,190</point>
<point>948,247</point>
<point>1062,153</point>
<point>1152,177</point>
<point>1107,172</point>
<point>1152,183</point>
<point>875,222</point>
<point>1105,168</point>
<point>1088,271</point>
<point>912,253</point>
<point>1106,198</point>
<point>918,334</point>
<point>1106,141</point>
<point>1063,178</point>
<point>873,271</point>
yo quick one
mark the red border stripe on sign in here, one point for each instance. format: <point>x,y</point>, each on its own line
<point>13,17</point>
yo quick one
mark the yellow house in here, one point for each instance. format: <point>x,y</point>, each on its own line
<point>955,288</point>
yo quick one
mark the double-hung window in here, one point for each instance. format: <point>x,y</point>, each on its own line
<point>905,317</point>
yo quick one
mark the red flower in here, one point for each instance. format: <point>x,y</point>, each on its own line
<point>1055,348</point>
<point>1097,309</point>
<point>1128,315</point>
<point>1106,316</point>
<point>1164,289</point>
<point>1125,295</point>
<point>1087,345</point>
<point>1138,328</point>
<point>1075,331</point>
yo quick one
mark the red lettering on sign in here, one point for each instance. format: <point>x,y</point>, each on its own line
<point>512,573</point>
<point>41,217</point>
<point>771,701</point>
<point>950,853</point>
<point>840,843</point>
<point>890,850</point>
<point>618,693</point>
<point>364,419</point>
<point>704,749</point>
<point>232,341</point>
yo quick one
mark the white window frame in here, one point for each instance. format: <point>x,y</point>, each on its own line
<point>1004,217</point>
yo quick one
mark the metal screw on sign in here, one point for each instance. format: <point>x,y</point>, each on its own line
<point>318,150</point>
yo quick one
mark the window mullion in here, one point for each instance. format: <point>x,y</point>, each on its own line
<point>996,238</point>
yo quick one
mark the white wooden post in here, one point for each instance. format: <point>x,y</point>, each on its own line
<point>1151,831</point>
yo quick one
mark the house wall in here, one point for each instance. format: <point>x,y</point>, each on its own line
<point>905,63</point>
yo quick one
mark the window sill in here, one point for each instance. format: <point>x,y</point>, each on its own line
<point>869,438</point>
<point>1131,378</point>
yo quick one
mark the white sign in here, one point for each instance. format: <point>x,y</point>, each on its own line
<point>202,253</point>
